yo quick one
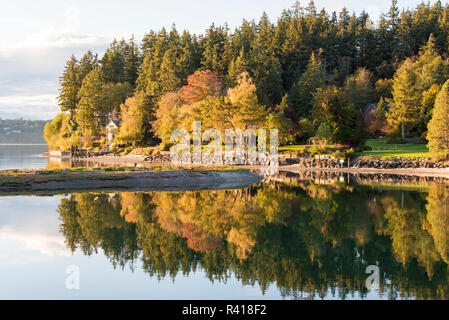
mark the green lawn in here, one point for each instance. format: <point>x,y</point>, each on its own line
<point>381,149</point>
<point>292,148</point>
<point>300,147</point>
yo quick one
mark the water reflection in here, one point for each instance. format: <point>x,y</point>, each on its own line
<point>304,238</point>
<point>21,156</point>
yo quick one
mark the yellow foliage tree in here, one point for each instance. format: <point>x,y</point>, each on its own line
<point>131,125</point>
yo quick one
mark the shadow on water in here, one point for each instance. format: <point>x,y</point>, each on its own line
<point>307,239</point>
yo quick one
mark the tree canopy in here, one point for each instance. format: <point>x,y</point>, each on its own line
<point>401,58</point>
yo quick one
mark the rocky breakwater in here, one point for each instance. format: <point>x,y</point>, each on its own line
<point>399,163</point>
<point>161,157</point>
<point>325,162</point>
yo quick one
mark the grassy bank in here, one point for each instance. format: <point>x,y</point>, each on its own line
<point>380,149</point>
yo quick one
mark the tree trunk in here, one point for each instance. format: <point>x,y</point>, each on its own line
<point>403,132</point>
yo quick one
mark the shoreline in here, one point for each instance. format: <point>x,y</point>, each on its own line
<point>59,182</point>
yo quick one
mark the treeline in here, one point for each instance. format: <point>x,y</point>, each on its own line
<point>22,131</point>
<point>309,71</point>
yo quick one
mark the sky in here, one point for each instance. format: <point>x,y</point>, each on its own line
<point>38,37</point>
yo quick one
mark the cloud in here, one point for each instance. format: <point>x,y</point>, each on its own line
<point>31,65</point>
<point>42,100</point>
<point>66,36</point>
<point>33,107</point>
<point>48,245</point>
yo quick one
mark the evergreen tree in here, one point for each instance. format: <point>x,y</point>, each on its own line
<point>430,67</point>
<point>264,65</point>
<point>239,65</point>
<point>90,103</point>
<point>301,95</point>
<point>132,61</point>
<point>88,62</point>
<point>69,87</point>
<point>113,95</point>
<point>113,63</point>
<point>214,45</point>
<point>189,57</point>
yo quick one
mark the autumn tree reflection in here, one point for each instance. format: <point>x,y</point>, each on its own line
<point>305,238</point>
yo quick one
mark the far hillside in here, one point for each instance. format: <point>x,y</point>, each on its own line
<point>22,131</point>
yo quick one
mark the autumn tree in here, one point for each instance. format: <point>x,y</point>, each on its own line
<point>383,88</point>
<point>413,79</point>
<point>167,115</point>
<point>427,105</point>
<point>438,218</point>
<point>438,135</point>
<point>131,126</point>
<point>404,111</point>
<point>249,113</point>
<point>200,85</point>
<point>360,89</point>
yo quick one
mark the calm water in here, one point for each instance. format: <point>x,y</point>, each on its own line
<point>269,241</point>
<point>23,157</point>
<point>293,239</point>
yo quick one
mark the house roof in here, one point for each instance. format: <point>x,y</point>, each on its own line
<point>375,104</point>
<point>114,122</point>
<point>369,105</point>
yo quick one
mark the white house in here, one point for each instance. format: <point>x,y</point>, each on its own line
<point>111,129</point>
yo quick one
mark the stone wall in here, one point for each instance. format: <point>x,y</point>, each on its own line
<point>399,163</point>
<point>329,162</point>
<point>317,162</point>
